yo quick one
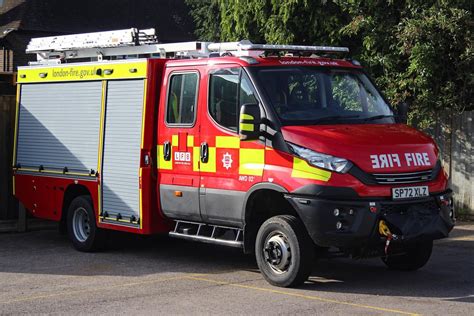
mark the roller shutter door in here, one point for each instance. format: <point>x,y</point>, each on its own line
<point>59,125</point>
<point>122,142</point>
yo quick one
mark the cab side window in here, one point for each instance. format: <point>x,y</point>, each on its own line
<point>227,92</point>
<point>182,99</point>
<point>223,96</point>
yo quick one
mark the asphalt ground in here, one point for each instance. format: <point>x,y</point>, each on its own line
<point>40,273</point>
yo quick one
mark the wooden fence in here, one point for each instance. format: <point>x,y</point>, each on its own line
<point>454,134</point>
<point>8,205</point>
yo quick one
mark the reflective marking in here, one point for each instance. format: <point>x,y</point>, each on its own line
<point>196,158</point>
<point>246,127</point>
<point>246,117</point>
<point>101,147</point>
<point>227,142</point>
<point>301,169</point>
<point>66,73</point>
<point>174,140</point>
<point>190,141</point>
<point>162,163</point>
<point>309,297</point>
<point>251,161</point>
<point>17,113</point>
<point>145,84</point>
<point>210,165</point>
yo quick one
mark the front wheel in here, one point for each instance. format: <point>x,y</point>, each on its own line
<point>413,257</point>
<point>284,251</point>
<point>81,226</point>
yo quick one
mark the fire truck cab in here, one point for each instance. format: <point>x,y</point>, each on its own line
<point>289,152</point>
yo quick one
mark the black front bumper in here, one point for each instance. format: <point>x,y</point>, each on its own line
<point>412,220</point>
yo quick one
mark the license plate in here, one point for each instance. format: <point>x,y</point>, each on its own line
<point>410,192</point>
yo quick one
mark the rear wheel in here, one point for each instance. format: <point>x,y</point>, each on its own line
<point>284,251</point>
<point>81,225</point>
<point>413,257</point>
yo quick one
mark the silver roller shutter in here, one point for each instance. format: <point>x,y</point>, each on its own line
<point>122,143</point>
<point>59,125</point>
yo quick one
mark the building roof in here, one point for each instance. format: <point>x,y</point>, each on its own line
<point>170,18</point>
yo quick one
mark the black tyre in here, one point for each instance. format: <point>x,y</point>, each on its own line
<point>412,258</point>
<point>284,251</point>
<point>81,225</point>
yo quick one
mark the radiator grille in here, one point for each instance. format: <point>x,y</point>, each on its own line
<point>400,178</point>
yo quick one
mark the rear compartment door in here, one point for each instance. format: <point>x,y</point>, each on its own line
<point>58,126</point>
<point>121,151</point>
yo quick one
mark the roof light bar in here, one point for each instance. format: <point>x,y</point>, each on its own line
<point>249,46</point>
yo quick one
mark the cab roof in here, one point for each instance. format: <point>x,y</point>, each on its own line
<point>264,61</point>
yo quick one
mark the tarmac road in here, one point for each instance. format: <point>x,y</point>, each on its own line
<point>40,273</point>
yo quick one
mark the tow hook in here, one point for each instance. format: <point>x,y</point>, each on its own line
<point>385,231</point>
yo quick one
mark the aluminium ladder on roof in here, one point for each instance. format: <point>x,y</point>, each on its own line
<point>134,42</point>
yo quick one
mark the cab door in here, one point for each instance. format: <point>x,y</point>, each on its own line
<point>178,132</point>
<point>230,166</point>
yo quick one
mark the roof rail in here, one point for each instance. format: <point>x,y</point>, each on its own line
<point>136,43</point>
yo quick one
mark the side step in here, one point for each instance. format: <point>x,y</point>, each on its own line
<point>208,233</point>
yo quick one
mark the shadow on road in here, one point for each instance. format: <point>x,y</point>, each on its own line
<point>449,274</point>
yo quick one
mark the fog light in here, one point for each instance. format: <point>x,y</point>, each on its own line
<point>339,225</point>
<point>351,212</point>
<point>336,212</point>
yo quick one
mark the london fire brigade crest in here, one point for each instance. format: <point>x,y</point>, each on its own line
<point>227,160</point>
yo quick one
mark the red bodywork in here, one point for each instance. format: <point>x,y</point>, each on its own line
<point>44,195</point>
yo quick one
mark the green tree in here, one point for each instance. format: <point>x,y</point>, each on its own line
<point>418,51</point>
<point>206,15</point>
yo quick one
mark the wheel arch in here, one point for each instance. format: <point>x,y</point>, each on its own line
<point>71,192</point>
<point>262,201</point>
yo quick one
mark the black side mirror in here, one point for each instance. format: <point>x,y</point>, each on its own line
<point>402,112</point>
<point>249,121</point>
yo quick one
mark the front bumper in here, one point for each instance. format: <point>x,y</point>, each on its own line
<point>355,223</point>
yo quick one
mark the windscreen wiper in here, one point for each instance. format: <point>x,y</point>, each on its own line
<point>376,117</point>
<point>333,117</point>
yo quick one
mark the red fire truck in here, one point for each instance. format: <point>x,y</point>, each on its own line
<point>289,152</point>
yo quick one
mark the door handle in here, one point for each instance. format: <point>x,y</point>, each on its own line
<point>204,152</point>
<point>167,151</point>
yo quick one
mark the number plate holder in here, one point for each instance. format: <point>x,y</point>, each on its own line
<point>404,193</point>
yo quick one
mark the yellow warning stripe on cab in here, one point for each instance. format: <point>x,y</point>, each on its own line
<point>301,169</point>
<point>251,161</point>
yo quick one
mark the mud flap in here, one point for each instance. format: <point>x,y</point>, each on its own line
<point>419,223</point>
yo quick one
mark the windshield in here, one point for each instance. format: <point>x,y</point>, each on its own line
<point>310,95</point>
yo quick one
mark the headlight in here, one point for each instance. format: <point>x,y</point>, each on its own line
<point>319,160</point>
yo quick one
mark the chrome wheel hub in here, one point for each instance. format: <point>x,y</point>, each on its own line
<point>277,252</point>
